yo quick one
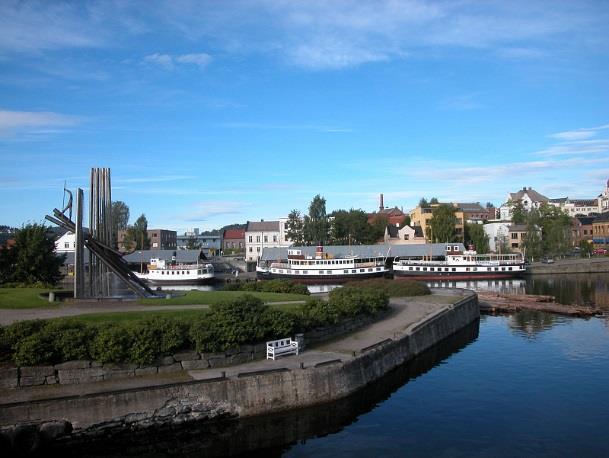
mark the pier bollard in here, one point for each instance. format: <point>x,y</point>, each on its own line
<point>301,365</point>
<point>223,374</point>
<point>51,296</point>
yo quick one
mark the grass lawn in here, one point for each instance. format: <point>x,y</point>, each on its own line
<point>213,297</point>
<point>23,298</point>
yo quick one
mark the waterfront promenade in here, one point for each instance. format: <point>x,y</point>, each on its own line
<point>404,313</point>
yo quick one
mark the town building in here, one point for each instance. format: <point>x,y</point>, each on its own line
<point>581,229</point>
<point>516,236</point>
<point>66,243</point>
<point>420,216</point>
<point>529,198</point>
<point>576,207</point>
<point>160,239</point>
<point>393,215</point>
<point>264,234</point>
<point>474,213</point>
<point>603,199</point>
<point>233,240</point>
<point>405,235</point>
<point>498,235</point>
<point>209,244</point>
<point>600,231</point>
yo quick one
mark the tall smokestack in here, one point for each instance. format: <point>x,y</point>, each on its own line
<point>381,206</point>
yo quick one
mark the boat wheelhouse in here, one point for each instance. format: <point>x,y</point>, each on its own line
<point>161,272</point>
<point>323,267</point>
<point>460,265</point>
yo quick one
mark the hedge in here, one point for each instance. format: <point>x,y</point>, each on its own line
<point>269,286</point>
<point>394,288</point>
<point>229,324</point>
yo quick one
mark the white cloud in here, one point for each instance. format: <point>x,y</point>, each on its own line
<point>169,62</point>
<point>206,210</point>
<point>34,122</point>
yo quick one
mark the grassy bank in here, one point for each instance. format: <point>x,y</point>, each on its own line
<point>215,297</point>
<point>24,298</point>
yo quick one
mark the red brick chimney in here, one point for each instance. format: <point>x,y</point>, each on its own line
<point>381,206</point>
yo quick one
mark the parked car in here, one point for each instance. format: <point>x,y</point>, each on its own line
<point>602,251</point>
<point>547,260</point>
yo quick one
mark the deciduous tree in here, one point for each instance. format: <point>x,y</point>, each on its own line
<point>442,224</point>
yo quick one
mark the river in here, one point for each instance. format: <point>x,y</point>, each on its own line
<point>525,384</point>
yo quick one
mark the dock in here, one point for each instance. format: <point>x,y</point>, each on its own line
<point>492,303</point>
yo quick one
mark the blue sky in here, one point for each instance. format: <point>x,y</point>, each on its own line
<point>210,113</point>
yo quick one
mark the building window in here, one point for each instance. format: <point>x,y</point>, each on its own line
<point>258,249</point>
<point>514,236</point>
<point>266,238</point>
<point>250,239</point>
<point>250,249</point>
<point>274,238</point>
<point>258,238</point>
<point>240,244</point>
<point>66,245</point>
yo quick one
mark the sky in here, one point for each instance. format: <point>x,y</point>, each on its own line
<point>220,112</point>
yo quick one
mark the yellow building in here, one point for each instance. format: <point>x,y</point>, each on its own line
<point>421,216</point>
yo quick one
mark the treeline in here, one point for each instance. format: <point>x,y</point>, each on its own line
<point>341,227</point>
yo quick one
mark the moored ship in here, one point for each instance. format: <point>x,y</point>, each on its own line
<point>161,272</point>
<point>323,267</point>
<point>460,265</point>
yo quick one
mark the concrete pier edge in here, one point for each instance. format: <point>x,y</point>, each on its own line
<point>240,395</point>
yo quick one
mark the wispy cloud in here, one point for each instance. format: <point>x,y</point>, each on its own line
<point>463,102</point>
<point>279,126</point>
<point>35,122</point>
<point>578,142</point>
<point>205,210</point>
<point>169,62</point>
<point>153,179</point>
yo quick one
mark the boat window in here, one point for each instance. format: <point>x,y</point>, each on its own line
<point>454,269</point>
<point>345,271</point>
<point>418,268</point>
<point>431,269</point>
<point>354,271</point>
<point>200,272</point>
<point>370,270</point>
<point>305,271</point>
<point>509,268</point>
<point>321,271</point>
<point>410,268</point>
<point>448,248</point>
<point>456,248</point>
<point>489,269</point>
<point>378,269</point>
<point>467,269</point>
<point>172,272</point>
<point>425,269</point>
<point>445,269</point>
<point>328,271</point>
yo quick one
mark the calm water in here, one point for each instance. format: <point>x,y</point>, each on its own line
<point>519,385</point>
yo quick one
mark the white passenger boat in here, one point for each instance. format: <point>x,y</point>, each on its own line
<point>323,267</point>
<point>460,265</point>
<point>162,273</point>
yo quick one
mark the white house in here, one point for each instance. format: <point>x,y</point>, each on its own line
<point>497,232</point>
<point>529,198</point>
<point>405,235</point>
<point>264,234</point>
<point>66,243</point>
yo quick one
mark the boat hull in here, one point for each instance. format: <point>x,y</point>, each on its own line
<point>320,279</point>
<point>195,281</point>
<point>455,275</point>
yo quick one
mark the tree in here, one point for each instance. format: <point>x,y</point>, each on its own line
<point>489,205</point>
<point>351,228</point>
<point>423,203</point>
<point>378,228</point>
<point>120,219</point>
<point>475,235</point>
<point>434,201</point>
<point>585,248</point>
<point>442,224</point>
<point>405,221</point>
<point>192,243</point>
<point>295,228</point>
<point>136,236</point>
<point>532,242</point>
<point>519,213</point>
<point>316,222</point>
<point>32,258</point>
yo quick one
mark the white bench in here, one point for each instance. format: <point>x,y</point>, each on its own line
<point>281,347</point>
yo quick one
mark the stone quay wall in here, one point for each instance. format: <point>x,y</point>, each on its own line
<point>245,394</point>
<point>583,266</point>
<point>77,372</point>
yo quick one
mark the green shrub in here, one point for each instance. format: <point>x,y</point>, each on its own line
<point>350,301</point>
<point>112,343</point>
<point>35,349</point>
<point>269,286</point>
<point>395,288</point>
<point>278,324</point>
<point>231,287</point>
<point>153,337</point>
<point>317,312</point>
<point>70,339</point>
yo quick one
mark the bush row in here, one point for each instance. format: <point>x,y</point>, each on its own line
<point>399,288</point>
<point>226,325</point>
<point>269,286</point>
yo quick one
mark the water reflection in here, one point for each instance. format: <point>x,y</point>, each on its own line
<point>531,323</point>
<point>272,435</point>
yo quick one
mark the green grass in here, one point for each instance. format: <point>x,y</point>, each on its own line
<point>118,317</point>
<point>214,297</point>
<point>24,298</point>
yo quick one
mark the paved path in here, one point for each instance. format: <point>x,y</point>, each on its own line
<point>405,312</point>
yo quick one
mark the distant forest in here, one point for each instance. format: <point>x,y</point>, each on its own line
<point>224,228</point>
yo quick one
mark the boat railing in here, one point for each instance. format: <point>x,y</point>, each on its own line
<point>283,265</point>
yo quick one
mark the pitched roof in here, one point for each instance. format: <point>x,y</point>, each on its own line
<point>517,228</point>
<point>234,234</point>
<point>585,220</point>
<point>392,230</point>
<point>602,218</point>
<point>533,195</point>
<point>470,207</point>
<point>261,226</point>
<point>585,202</point>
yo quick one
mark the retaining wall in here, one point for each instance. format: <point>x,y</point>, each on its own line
<point>585,266</point>
<point>246,394</point>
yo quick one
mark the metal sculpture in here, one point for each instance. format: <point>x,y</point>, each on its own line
<point>103,259</point>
